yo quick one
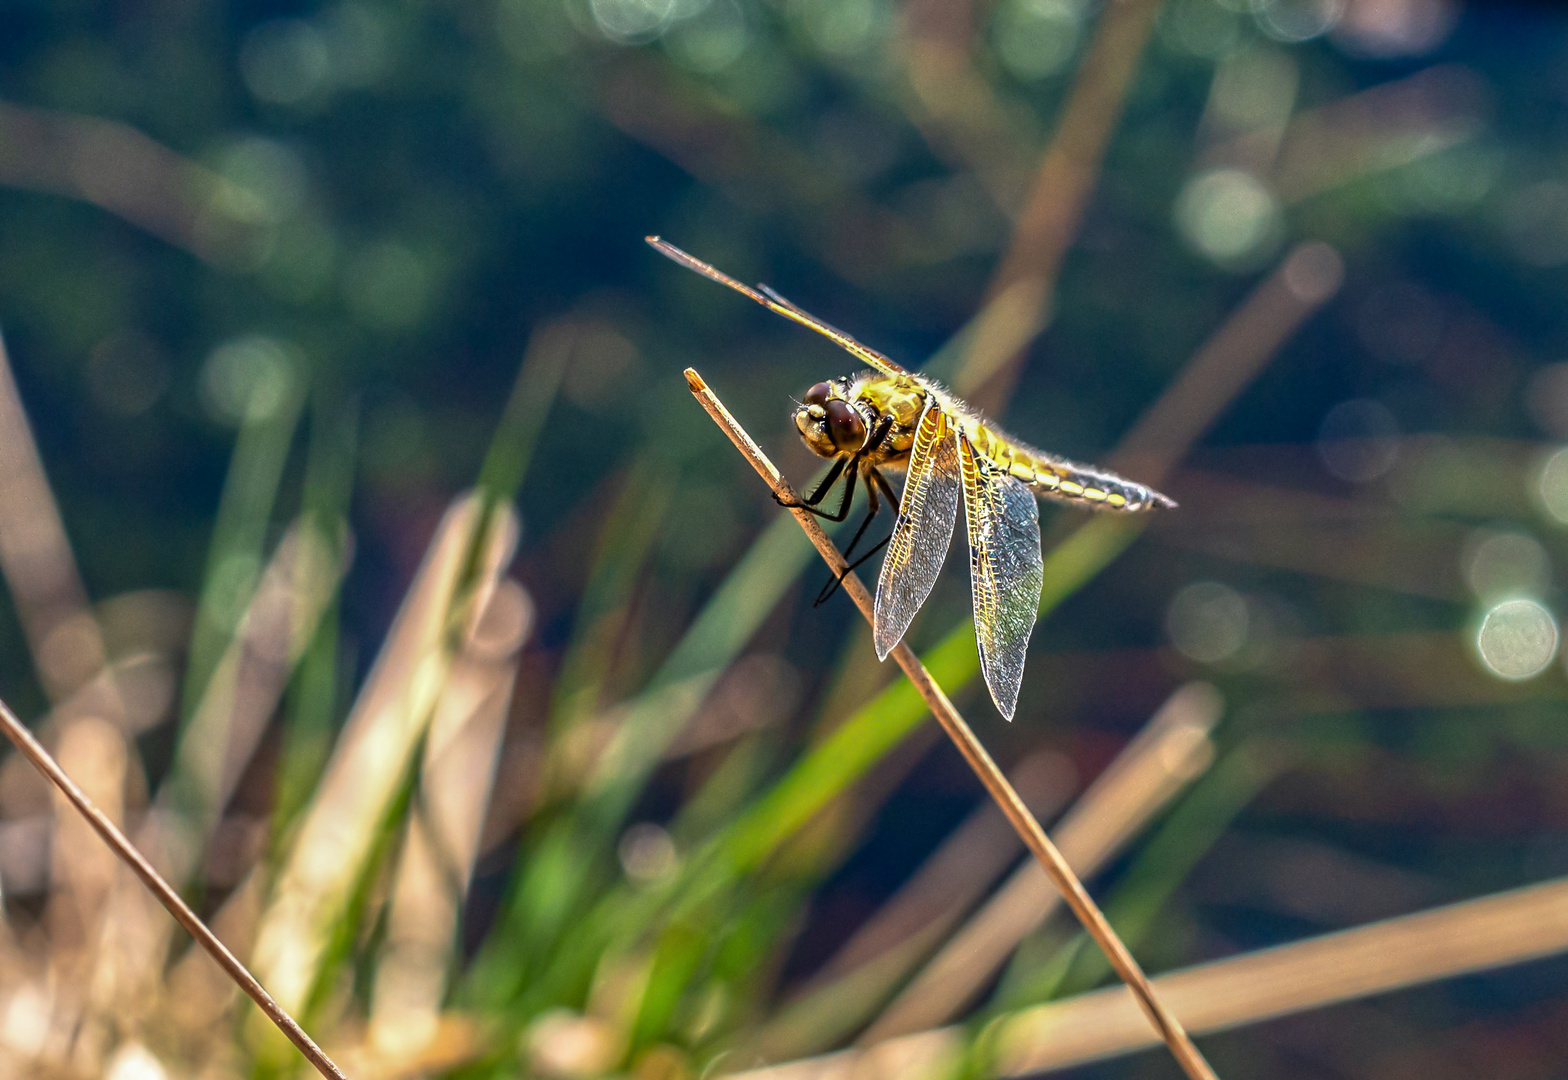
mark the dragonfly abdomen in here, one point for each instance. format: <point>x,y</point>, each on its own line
<point>1058,479</point>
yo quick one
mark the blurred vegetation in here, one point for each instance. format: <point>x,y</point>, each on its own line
<point>367,559</point>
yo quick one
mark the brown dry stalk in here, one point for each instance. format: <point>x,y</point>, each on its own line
<point>33,750</point>
<point>119,169</point>
<point>1491,931</point>
<point>1018,815</point>
<point>1173,750</point>
<point>1474,935</point>
<point>1061,189</point>
<point>1306,279</point>
<point>35,553</point>
<point>337,832</point>
<point>849,989</point>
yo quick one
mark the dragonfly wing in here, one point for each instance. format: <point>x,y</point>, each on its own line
<point>1005,571</point>
<point>924,529</point>
<point>777,304</point>
<point>864,353</point>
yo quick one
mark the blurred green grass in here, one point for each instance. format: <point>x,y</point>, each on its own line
<point>323,268</point>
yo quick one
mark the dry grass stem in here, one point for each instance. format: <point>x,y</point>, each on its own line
<point>1505,928</point>
<point>217,744</point>
<point>252,674</point>
<point>1062,186</point>
<point>1307,277</point>
<point>1381,128</point>
<point>441,839</point>
<point>1018,815</point>
<point>1171,751</point>
<point>35,554</point>
<point>338,831</point>
<point>856,981</point>
<point>956,109</point>
<point>1475,935</point>
<point>17,732</point>
<point>118,169</point>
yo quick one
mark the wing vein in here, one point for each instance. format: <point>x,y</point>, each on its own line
<point>1005,571</point>
<point>924,530</point>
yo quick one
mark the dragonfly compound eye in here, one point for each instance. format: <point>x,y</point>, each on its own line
<point>845,427</point>
<point>819,394</point>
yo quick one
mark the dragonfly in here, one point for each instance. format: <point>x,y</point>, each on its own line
<point>888,418</point>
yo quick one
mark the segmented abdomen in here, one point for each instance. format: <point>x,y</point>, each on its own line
<point>1058,479</point>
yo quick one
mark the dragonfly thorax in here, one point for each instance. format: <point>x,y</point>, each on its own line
<point>843,417</point>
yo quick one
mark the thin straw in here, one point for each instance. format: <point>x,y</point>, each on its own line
<point>34,752</point>
<point>1063,184</point>
<point>1171,751</point>
<point>1018,815</point>
<point>1439,943</point>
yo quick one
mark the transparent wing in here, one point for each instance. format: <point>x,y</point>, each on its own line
<point>776,303</point>
<point>924,529</point>
<point>1005,571</point>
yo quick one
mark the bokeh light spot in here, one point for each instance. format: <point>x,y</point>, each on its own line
<point>711,41</point>
<point>1208,622</point>
<point>284,62</point>
<point>28,1016</point>
<point>387,286</point>
<point>603,368</point>
<point>843,28</point>
<point>1036,38</point>
<point>632,22</point>
<point>247,378</point>
<point>1297,20</point>
<point>1552,485</point>
<point>1230,217</point>
<point>1358,440</point>
<point>1501,563</point>
<point>647,853</point>
<point>132,1061</point>
<point>271,172</point>
<point>359,43</point>
<point>1518,639</point>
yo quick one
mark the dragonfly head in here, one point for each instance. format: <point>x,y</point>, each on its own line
<point>828,423</point>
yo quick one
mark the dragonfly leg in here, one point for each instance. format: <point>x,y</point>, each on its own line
<point>816,496</point>
<point>874,480</point>
<point>873,506</point>
<point>852,463</point>
<point>838,579</point>
<point>811,501</point>
<point>810,507</point>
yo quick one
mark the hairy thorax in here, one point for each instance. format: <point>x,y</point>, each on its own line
<point>838,417</point>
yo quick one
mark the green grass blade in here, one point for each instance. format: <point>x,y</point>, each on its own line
<point>239,533</point>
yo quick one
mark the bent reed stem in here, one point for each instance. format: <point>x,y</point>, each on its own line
<point>996,784</point>
<point>33,750</point>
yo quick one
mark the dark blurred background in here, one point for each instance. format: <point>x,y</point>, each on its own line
<point>361,217</point>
